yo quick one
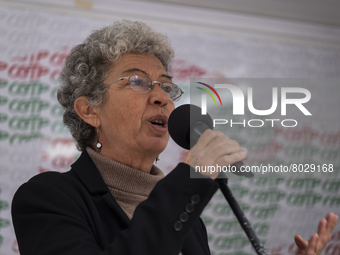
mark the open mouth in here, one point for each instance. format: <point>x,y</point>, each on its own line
<point>158,122</point>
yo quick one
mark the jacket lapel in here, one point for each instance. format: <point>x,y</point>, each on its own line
<point>94,183</point>
<point>87,172</point>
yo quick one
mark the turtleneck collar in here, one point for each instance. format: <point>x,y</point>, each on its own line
<point>128,186</point>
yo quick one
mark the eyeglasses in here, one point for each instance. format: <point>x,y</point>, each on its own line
<point>143,84</point>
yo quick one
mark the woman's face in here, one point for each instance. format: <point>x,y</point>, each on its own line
<point>127,118</point>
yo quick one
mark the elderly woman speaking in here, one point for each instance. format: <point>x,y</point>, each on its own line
<point>117,94</point>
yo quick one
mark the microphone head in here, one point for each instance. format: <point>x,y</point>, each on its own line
<point>179,125</point>
<point>180,121</point>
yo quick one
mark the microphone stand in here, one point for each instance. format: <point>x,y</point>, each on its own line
<point>196,131</point>
<point>222,180</point>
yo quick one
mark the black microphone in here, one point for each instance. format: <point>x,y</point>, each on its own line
<point>186,125</point>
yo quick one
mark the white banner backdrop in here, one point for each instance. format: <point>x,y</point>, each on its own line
<point>33,139</point>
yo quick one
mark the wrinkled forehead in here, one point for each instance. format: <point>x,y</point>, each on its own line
<point>141,72</point>
<point>139,64</point>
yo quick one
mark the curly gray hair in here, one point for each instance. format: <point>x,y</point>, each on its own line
<point>88,64</point>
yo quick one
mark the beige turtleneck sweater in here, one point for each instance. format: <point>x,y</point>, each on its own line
<point>127,185</point>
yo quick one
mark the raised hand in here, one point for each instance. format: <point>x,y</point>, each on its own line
<point>318,240</point>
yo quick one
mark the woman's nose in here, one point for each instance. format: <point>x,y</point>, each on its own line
<point>158,96</point>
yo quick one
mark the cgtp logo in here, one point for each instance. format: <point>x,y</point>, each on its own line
<point>238,99</point>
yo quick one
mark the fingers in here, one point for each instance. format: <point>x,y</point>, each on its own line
<point>324,236</point>
<point>325,230</point>
<point>208,136</point>
<point>331,221</point>
<point>318,240</point>
<point>312,244</point>
<point>215,139</point>
<point>214,148</point>
<point>227,160</point>
<point>322,226</point>
<point>224,145</point>
<point>300,242</point>
<point>305,247</point>
<point>224,150</point>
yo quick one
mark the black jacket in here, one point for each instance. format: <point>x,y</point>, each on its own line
<point>74,213</point>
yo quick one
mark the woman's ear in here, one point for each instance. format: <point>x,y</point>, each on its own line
<point>86,112</point>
